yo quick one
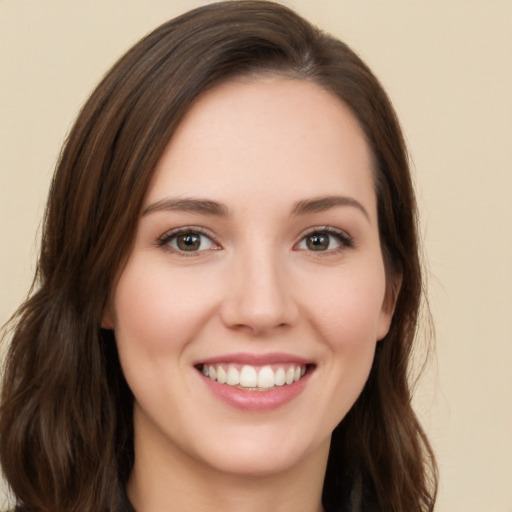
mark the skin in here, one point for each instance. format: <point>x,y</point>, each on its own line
<point>259,147</point>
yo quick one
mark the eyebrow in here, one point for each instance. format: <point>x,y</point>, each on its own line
<point>209,207</point>
<point>202,206</point>
<point>321,204</point>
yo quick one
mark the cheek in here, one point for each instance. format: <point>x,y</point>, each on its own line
<point>347,308</point>
<point>347,318</point>
<point>156,311</point>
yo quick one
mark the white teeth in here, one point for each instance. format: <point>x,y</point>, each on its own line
<point>222,376</point>
<point>248,377</point>
<point>251,377</point>
<point>266,377</point>
<point>280,377</point>
<point>233,376</point>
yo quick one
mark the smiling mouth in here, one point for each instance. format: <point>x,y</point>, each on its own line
<point>254,378</point>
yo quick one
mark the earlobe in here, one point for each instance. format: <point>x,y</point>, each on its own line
<point>388,305</point>
<point>106,318</point>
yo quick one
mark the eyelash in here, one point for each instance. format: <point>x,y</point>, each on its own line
<point>166,238</point>
<point>345,240</point>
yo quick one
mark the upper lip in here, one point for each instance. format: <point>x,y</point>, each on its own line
<point>256,359</point>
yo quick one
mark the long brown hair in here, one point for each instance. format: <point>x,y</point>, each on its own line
<point>66,433</point>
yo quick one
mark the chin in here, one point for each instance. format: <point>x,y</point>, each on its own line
<point>263,453</point>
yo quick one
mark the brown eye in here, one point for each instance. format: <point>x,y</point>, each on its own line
<point>318,242</point>
<point>325,240</point>
<point>188,242</point>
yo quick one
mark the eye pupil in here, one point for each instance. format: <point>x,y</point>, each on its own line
<point>188,242</point>
<point>318,242</point>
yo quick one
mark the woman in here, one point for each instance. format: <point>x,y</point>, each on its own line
<point>228,286</point>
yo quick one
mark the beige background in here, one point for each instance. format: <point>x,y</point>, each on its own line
<point>447,66</point>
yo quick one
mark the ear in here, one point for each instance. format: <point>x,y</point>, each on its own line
<point>388,305</point>
<point>107,319</point>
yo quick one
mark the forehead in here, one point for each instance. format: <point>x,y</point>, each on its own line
<point>266,135</point>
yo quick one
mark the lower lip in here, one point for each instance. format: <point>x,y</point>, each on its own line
<point>256,400</point>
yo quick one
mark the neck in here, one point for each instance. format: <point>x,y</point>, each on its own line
<point>176,482</point>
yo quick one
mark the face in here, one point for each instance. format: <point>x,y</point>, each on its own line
<point>248,312</point>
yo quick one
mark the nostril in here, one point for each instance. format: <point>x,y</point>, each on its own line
<point>258,303</point>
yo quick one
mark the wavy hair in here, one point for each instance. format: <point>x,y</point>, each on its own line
<point>66,430</point>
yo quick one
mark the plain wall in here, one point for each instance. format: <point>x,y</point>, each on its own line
<point>447,66</point>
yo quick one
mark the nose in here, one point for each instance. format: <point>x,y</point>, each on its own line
<point>259,296</point>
